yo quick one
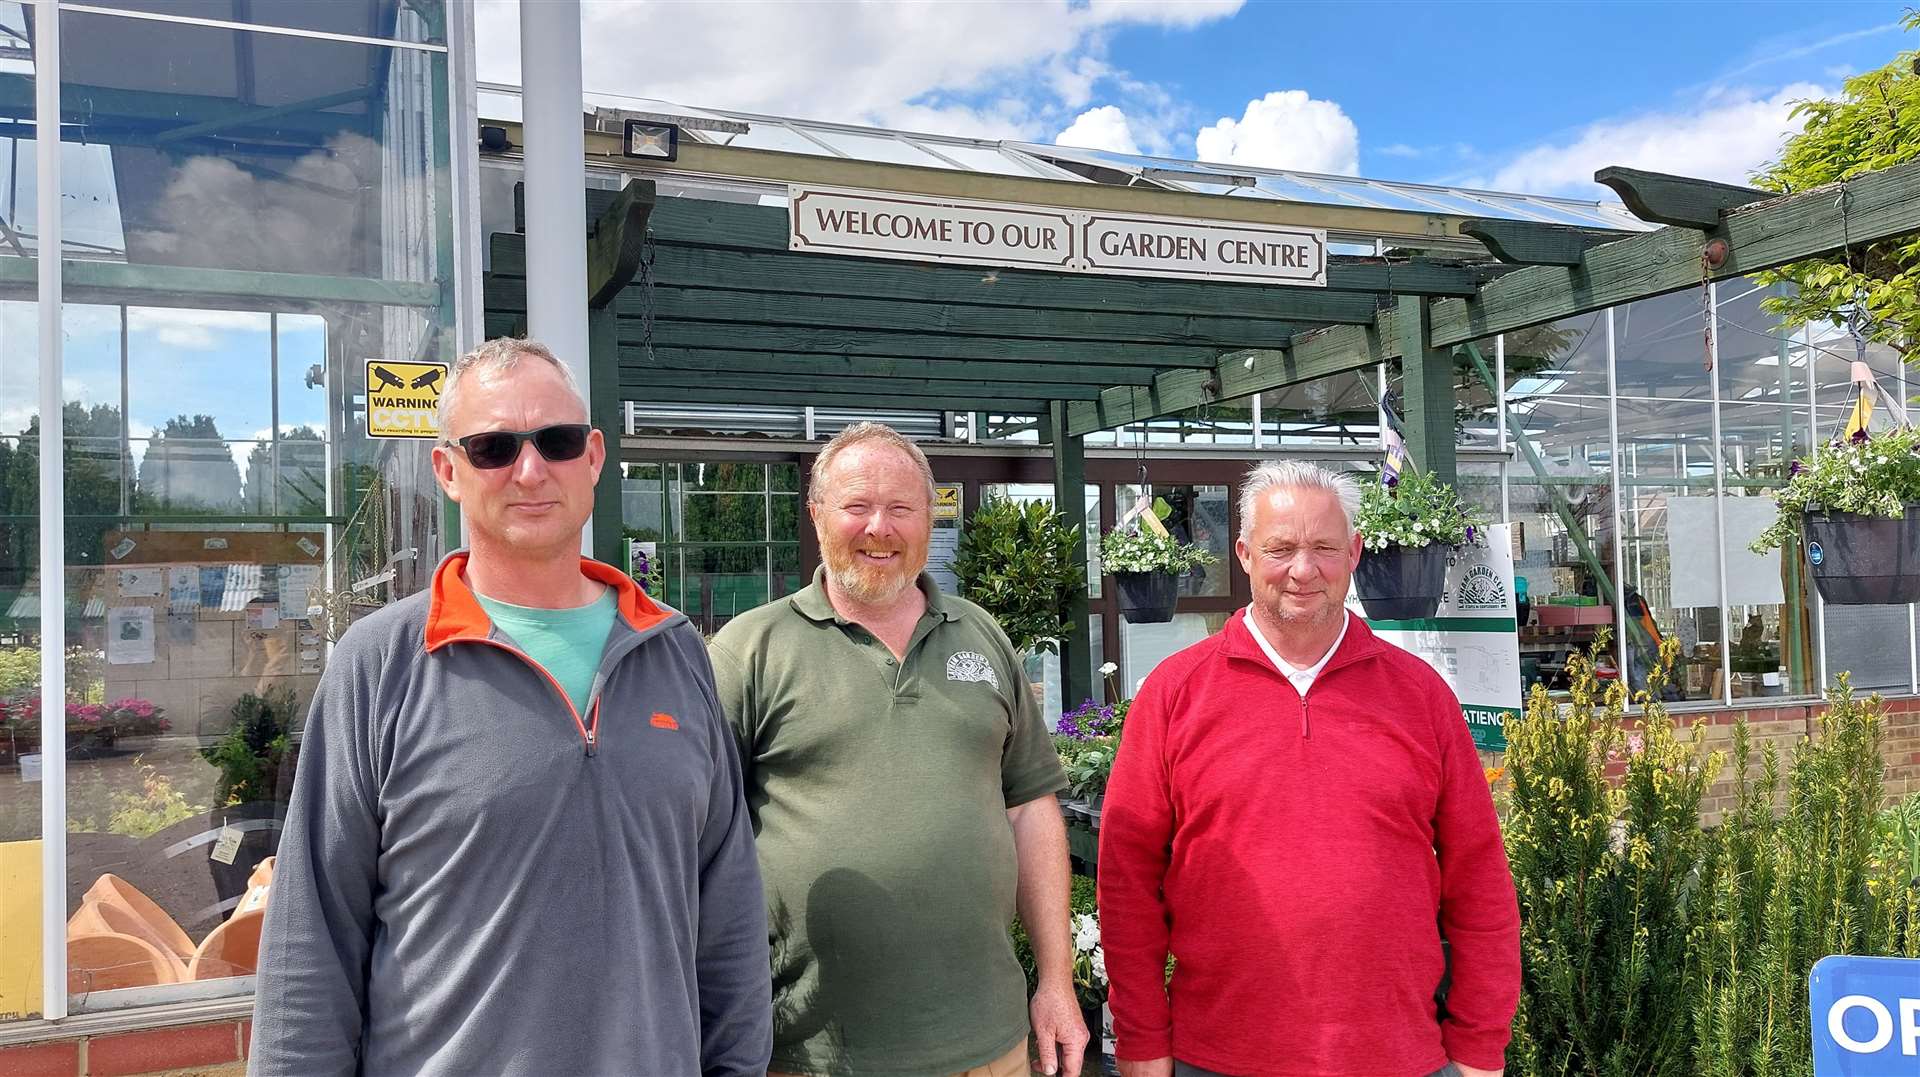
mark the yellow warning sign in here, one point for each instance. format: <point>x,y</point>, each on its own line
<point>946,502</point>
<point>403,399</point>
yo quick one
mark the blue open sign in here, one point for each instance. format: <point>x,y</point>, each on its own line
<point>1866,1017</point>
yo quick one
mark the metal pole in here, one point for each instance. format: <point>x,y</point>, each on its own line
<point>1619,521</point>
<point>1719,496</point>
<point>1813,442</point>
<point>53,514</point>
<point>551,103</point>
<point>1500,410</point>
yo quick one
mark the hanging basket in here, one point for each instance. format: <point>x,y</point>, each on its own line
<point>1402,583</point>
<point>1147,598</point>
<point>1863,560</point>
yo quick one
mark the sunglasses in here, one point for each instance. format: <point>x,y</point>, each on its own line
<point>500,448</point>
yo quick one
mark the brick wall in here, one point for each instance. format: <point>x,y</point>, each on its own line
<point>1783,726</point>
<point>211,1050</point>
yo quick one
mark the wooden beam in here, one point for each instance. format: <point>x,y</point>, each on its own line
<point>887,344</point>
<point>1534,244</point>
<point>1070,501</point>
<point>616,242</point>
<point>1763,235</point>
<point>1676,200</point>
<point>1427,393</point>
<point>1319,354</point>
<point>816,275</point>
<point>832,366</point>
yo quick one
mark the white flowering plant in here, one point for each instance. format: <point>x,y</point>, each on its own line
<point>1417,510</point>
<point>1139,549</point>
<point>1871,476</point>
<point>1089,960</point>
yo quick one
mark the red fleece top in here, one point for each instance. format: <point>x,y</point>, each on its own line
<point>1302,859</point>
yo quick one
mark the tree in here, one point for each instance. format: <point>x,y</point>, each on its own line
<point>302,479</point>
<point>188,468</point>
<point>93,462</point>
<point>1873,125</point>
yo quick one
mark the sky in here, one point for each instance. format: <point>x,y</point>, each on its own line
<point>1530,97</point>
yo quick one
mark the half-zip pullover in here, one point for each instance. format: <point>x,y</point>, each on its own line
<point>476,878</point>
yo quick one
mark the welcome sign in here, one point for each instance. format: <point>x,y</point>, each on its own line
<point>873,224</point>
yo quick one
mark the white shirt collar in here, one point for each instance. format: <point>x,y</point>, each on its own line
<point>1302,679</point>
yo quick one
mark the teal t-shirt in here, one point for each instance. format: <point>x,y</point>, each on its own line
<point>568,643</point>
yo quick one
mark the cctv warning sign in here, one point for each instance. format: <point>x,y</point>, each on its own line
<point>403,399</point>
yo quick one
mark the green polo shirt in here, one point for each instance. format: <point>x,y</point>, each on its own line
<point>879,792</point>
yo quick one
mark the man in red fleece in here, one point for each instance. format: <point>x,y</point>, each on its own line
<point>1297,815</point>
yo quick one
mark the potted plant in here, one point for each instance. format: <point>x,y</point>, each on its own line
<point>1855,505</point>
<point>1087,738</point>
<point>1408,528</point>
<point>1016,562</point>
<point>1146,564</point>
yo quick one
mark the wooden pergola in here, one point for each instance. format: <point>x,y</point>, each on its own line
<point>701,301</point>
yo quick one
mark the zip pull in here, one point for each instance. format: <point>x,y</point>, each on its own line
<point>591,737</point>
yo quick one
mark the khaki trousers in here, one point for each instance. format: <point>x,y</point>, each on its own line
<point>1011,1064</point>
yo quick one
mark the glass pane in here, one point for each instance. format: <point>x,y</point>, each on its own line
<point>1199,515</point>
<point>726,517</point>
<point>722,582</point>
<point>1660,347</point>
<point>256,151</point>
<point>1146,646</point>
<point>784,478</point>
<point>1337,410</point>
<point>727,475</point>
<point>20,696</point>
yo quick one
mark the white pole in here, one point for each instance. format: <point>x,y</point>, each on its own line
<point>53,515</point>
<point>1619,520</point>
<point>1719,496</point>
<point>552,102</point>
<point>1500,421</point>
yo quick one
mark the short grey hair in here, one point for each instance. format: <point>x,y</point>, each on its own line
<point>865,434</point>
<point>501,354</point>
<point>1296,475</point>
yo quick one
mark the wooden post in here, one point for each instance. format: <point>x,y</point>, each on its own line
<point>1426,381</point>
<point>604,412</point>
<point>1070,500</point>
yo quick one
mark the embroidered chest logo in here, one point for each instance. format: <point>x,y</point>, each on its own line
<point>972,666</point>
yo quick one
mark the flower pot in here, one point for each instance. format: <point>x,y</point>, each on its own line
<point>1147,598</point>
<point>1864,560</point>
<point>1402,583</point>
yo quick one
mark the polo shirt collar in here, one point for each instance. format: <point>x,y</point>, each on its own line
<point>813,604</point>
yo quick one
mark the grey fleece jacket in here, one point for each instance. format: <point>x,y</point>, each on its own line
<point>474,879</point>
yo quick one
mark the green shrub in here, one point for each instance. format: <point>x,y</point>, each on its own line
<point>1016,562</point>
<point>250,754</point>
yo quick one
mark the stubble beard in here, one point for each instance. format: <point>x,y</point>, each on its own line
<point>876,585</point>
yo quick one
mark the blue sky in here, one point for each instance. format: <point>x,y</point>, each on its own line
<point>1521,96</point>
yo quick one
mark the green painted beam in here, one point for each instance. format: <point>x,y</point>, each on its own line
<point>706,223</point>
<point>1676,200</point>
<point>832,366</point>
<point>1533,243</point>
<point>880,389</point>
<point>1319,354</point>
<point>1763,235</point>
<point>615,244</point>
<point>818,275</point>
<point>1427,393</point>
<point>238,118</point>
<point>725,336</point>
<point>1070,501</point>
<point>188,286</point>
<point>825,397</point>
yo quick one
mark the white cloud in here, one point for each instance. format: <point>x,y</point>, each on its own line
<point>1103,128</point>
<point>916,66</point>
<point>192,329</point>
<point>1400,149</point>
<point>1726,136</point>
<point>1285,129</point>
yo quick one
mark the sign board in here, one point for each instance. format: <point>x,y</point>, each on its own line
<point>403,399</point>
<point>872,224</point>
<point>943,542</point>
<point>1473,639</point>
<point>1866,1016</point>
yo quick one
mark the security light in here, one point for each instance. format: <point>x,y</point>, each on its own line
<point>654,141</point>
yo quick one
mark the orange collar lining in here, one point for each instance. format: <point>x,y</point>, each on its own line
<point>453,613</point>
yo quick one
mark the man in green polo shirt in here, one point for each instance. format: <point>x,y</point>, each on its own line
<point>900,782</point>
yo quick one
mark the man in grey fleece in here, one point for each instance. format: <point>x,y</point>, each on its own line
<point>517,842</point>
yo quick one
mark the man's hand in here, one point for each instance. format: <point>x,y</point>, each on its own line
<point>1152,1067</point>
<point>1059,1035</point>
<point>1469,1071</point>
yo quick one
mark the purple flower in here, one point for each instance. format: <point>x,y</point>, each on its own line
<point>1859,437</point>
<point>1795,468</point>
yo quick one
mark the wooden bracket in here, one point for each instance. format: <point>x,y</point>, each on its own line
<point>1530,243</point>
<point>616,241</point>
<point>1676,200</point>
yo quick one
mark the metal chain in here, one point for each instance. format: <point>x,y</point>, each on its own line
<point>647,297</point>
<point>1707,316</point>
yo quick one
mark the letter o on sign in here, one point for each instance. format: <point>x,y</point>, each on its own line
<point>1882,1023</point>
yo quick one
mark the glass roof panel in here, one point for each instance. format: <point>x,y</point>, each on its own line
<point>989,159</point>
<point>884,148</point>
<point>1293,191</point>
<point>774,136</point>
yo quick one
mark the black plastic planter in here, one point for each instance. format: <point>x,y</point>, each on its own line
<point>1864,560</point>
<point>1402,583</point>
<point>1147,598</point>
